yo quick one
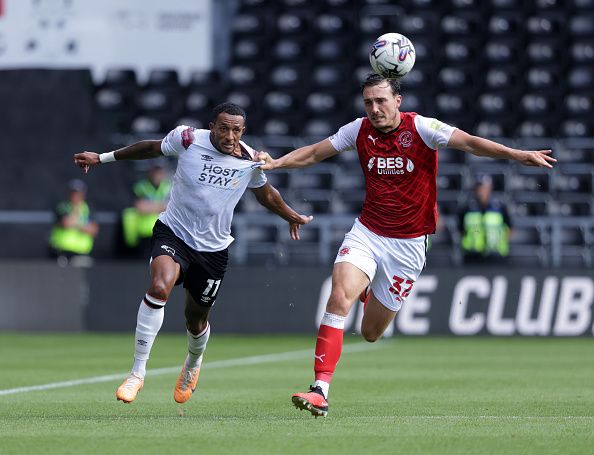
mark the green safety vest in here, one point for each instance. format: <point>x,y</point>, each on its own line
<point>485,233</point>
<point>72,240</point>
<point>140,225</point>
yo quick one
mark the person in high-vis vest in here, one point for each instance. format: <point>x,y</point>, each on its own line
<point>151,194</point>
<point>74,231</point>
<point>485,225</point>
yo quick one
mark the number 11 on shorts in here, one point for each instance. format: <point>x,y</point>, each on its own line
<point>209,288</point>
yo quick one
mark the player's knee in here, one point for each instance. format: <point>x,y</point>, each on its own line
<point>159,290</point>
<point>369,334</point>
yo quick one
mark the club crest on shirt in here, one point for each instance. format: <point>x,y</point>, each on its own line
<point>405,139</point>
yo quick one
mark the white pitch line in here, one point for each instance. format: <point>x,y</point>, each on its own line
<point>253,360</point>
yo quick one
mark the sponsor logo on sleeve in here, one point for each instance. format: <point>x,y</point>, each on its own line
<point>187,136</point>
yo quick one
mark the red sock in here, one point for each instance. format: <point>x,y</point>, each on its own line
<point>328,349</point>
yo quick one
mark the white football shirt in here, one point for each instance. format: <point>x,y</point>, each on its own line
<point>207,186</point>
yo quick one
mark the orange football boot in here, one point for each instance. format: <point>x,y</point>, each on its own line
<point>312,401</point>
<point>129,389</point>
<point>186,384</point>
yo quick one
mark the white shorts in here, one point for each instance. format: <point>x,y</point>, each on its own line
<point>392,265</point>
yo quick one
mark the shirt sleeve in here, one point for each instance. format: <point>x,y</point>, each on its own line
<point>258,179</point>
<point>434,133</point>
<point>177,141</point>
<point>346,137</point>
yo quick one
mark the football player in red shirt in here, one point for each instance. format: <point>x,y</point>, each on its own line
<point>383,254</point>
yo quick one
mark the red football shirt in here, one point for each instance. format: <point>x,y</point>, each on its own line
<point>400,170</point>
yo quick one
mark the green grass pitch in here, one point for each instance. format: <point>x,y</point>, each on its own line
<point>404,395</point>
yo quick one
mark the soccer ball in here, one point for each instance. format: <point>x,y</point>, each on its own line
<point>392,55</point>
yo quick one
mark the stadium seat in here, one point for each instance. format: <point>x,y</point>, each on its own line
<point>291,50</point>
<point>495,105</point>
<point>573,179</point>
<point>582,52</point>
<point>460,24</point>
<point>529,204</point>
<point>582,25</point>
<point>574,249</point>
<point>505,24</point>
<point>568,204</point>
<point>529,246</point>
<point>502,51</point>
<point>577,128</point>
<point>318,128</point>
<point>348,201</point>
<point>373,25</point>
<point>461,50</point>
<point>579,105</point>
<point>544,24</point>
<point>493,129</point>
<point>543,77</point>
<point>457,78</point>
<point>580,77</point>
<point>417,23</point>
<point>529,180</point>
<point>319,178</point>
<point>449,178</point>
<point>278,179</point>
<point>501,78</point>
<point>537,128</point>
<point>144,125</point>
<point>288,76</point>
<point>279,102</point>
<point>544,51</point>
<point>250,49</point>
<point>242,76</point>
<point>311,201</point>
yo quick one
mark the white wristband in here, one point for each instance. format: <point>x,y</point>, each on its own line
<point>107,157</point>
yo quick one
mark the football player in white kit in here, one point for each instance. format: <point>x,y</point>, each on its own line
<point>191,238</point>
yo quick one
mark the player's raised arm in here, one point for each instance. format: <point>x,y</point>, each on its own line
<point>269,197</point>
<point>301,157</point>
<point>142,150</point>
<point>483,147</point>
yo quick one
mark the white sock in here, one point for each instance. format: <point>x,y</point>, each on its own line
<point>324,386</point>
<point>148,323</point>
<point>196,347</point>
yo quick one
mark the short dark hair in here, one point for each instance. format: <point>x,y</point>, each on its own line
<point>228,108</point>
<point>373,79</point>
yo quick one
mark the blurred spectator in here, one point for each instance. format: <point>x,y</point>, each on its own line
<point>485,225</point>
<point>151,194</point>
<point>74,230</point>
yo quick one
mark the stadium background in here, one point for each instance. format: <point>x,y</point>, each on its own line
<point>77,76</point>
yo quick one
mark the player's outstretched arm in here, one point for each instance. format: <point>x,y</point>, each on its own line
<point>301,157</point>
<point>142,150</point>
<point>269,197</point>
<point>484,147</point>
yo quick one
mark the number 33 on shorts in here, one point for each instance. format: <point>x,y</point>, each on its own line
<point>401,287</point>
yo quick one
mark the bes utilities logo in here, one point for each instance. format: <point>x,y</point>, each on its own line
<point>390,165</point>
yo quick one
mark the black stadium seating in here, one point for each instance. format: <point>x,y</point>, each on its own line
<point>520,72</point>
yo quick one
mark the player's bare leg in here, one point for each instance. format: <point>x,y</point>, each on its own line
<point>198,330</point>
<point>376,319</point>
<point>348,282</point>
<point>164,274</point>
